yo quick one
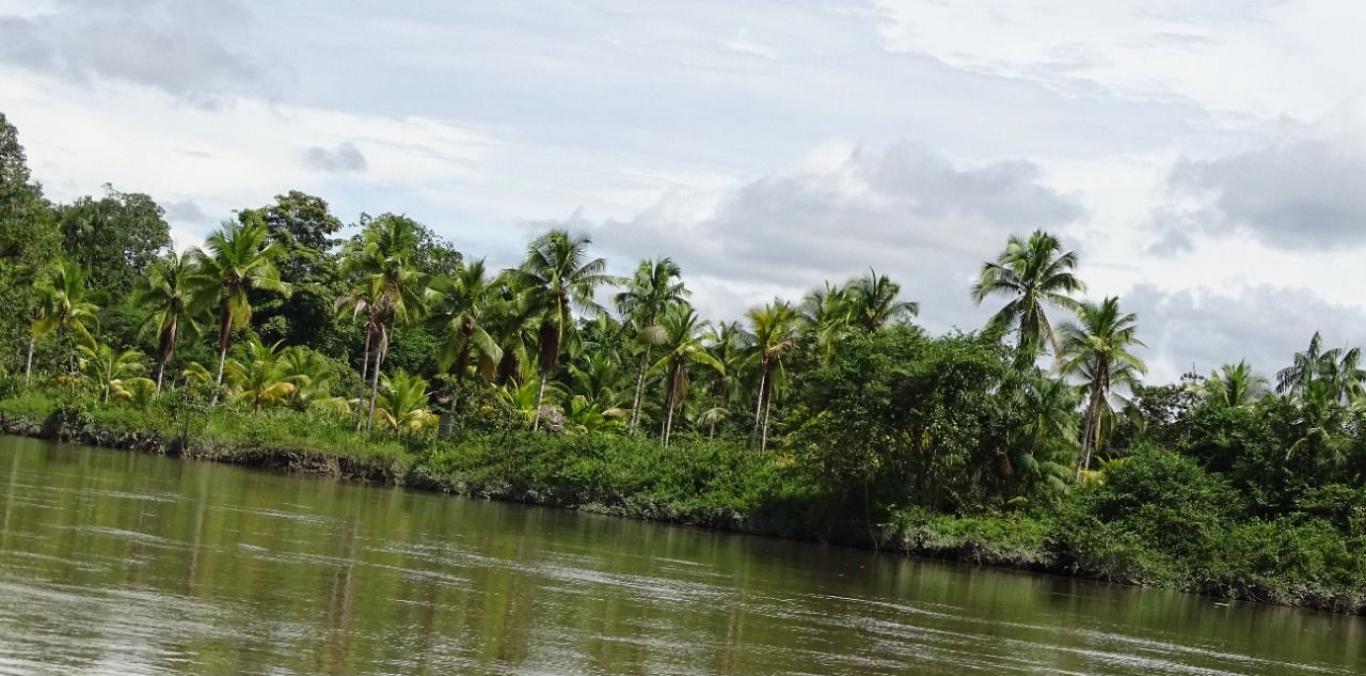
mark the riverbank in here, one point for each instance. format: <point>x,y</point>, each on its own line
<point>1176,542</point>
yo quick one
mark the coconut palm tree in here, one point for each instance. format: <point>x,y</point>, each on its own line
<point>403,404</point>
<point>1235,385</point>
<point>258,375</point>
<point>386,286</point>
<point>170,300</point>
<point>558,278</point>
<point>828,316</point>
<point>684,344</point>
<point>459,304</point>
<point>62,307</point>
<point>873,302</point>
<point>1034,273</point>
<point>1339,368</point>
<point>1097,348</point>
<point>654,288</point>
<point>727,343</point>
<point>237,259</point>
<point>114,372</point>
<point>773,328</point>
<point>313,377</point>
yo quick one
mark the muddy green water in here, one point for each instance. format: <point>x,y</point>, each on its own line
<point>120,563</point>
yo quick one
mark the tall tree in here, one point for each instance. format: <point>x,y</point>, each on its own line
<point>304,228</point>
<point>168,296</point>
<point>828,317</point>
<point>115,238</point>
<point>684,336</point>
<point>1338,370</point>
<point>29,243</point>
<point>774,330</point>
<point>653,289</point>
<point>235,260</point>
<point>385,284</point>
<point>1097,348</point>
<point>1033,273</point>
<point>559,278</point>
<point>62,307</point>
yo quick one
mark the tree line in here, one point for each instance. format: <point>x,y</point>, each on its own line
<point>394,328</point>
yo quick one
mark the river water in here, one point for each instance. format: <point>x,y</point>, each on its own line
<point>122,563</point>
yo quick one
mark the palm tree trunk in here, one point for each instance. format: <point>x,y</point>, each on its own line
<point>540,395</point>
<point>218,380</point>
<point>364,374</point>
<point>224,326</point>
<point>28,361</point>
<point>640,386</point>
<point>768,408</point>
<point>759,408</point>
<point>1087,441</point>
<point>374,383</point>
<point>669,425</point>
<point>164,354</point>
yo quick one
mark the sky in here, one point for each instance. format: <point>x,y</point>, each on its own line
<point>1206,160</point>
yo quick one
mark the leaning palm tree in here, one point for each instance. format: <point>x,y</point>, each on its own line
<point>653,289</point>
<point>459,305</point>
<point>1235,385</point>
<point>1097,348</point>
<point>236,259</point>
<point>774,329</point>
<point>684,336</point>
<point>873,301</point>
<point>386,286</point>
<point>169,298</point>
<point>1033,273</point>
<point>62,307</point>
<point>558,278</point>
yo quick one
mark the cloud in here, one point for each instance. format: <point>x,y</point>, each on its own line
<point>181,47</point>
<point>1264,324</point>
<point>345,158</point>
<point>905,210</point>
<point>1304,193</point>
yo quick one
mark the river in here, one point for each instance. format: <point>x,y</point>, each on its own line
<point>122,563</point>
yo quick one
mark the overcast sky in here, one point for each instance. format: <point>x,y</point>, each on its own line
<point>1207,159</point>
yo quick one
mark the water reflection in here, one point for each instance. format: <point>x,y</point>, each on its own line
<point>114,562</point>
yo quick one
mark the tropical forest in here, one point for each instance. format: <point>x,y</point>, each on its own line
<point>375,350</point>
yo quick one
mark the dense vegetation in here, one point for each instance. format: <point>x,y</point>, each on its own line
<point>1032,442</point>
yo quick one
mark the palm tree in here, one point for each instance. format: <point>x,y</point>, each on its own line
<point>653,289</point>
<point>727,344</point>
<point>460,303</point>
<point>1339,368</point>
<point>1235,385</point>
<point>558,280</point>
<point>113,371</point>
<point>1096,348</point>
<point>62,306</point>
<point>1034,273</point>
<point>873,301</point>
<point>774,329</point>
<point>170,300</point>
<point>258,375</point>
<point>828,315</point>
<point>684,339</point>
<point>237,259</point>
<point>313,377</point>
<point>403,403</point>
<point>387,287</point>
